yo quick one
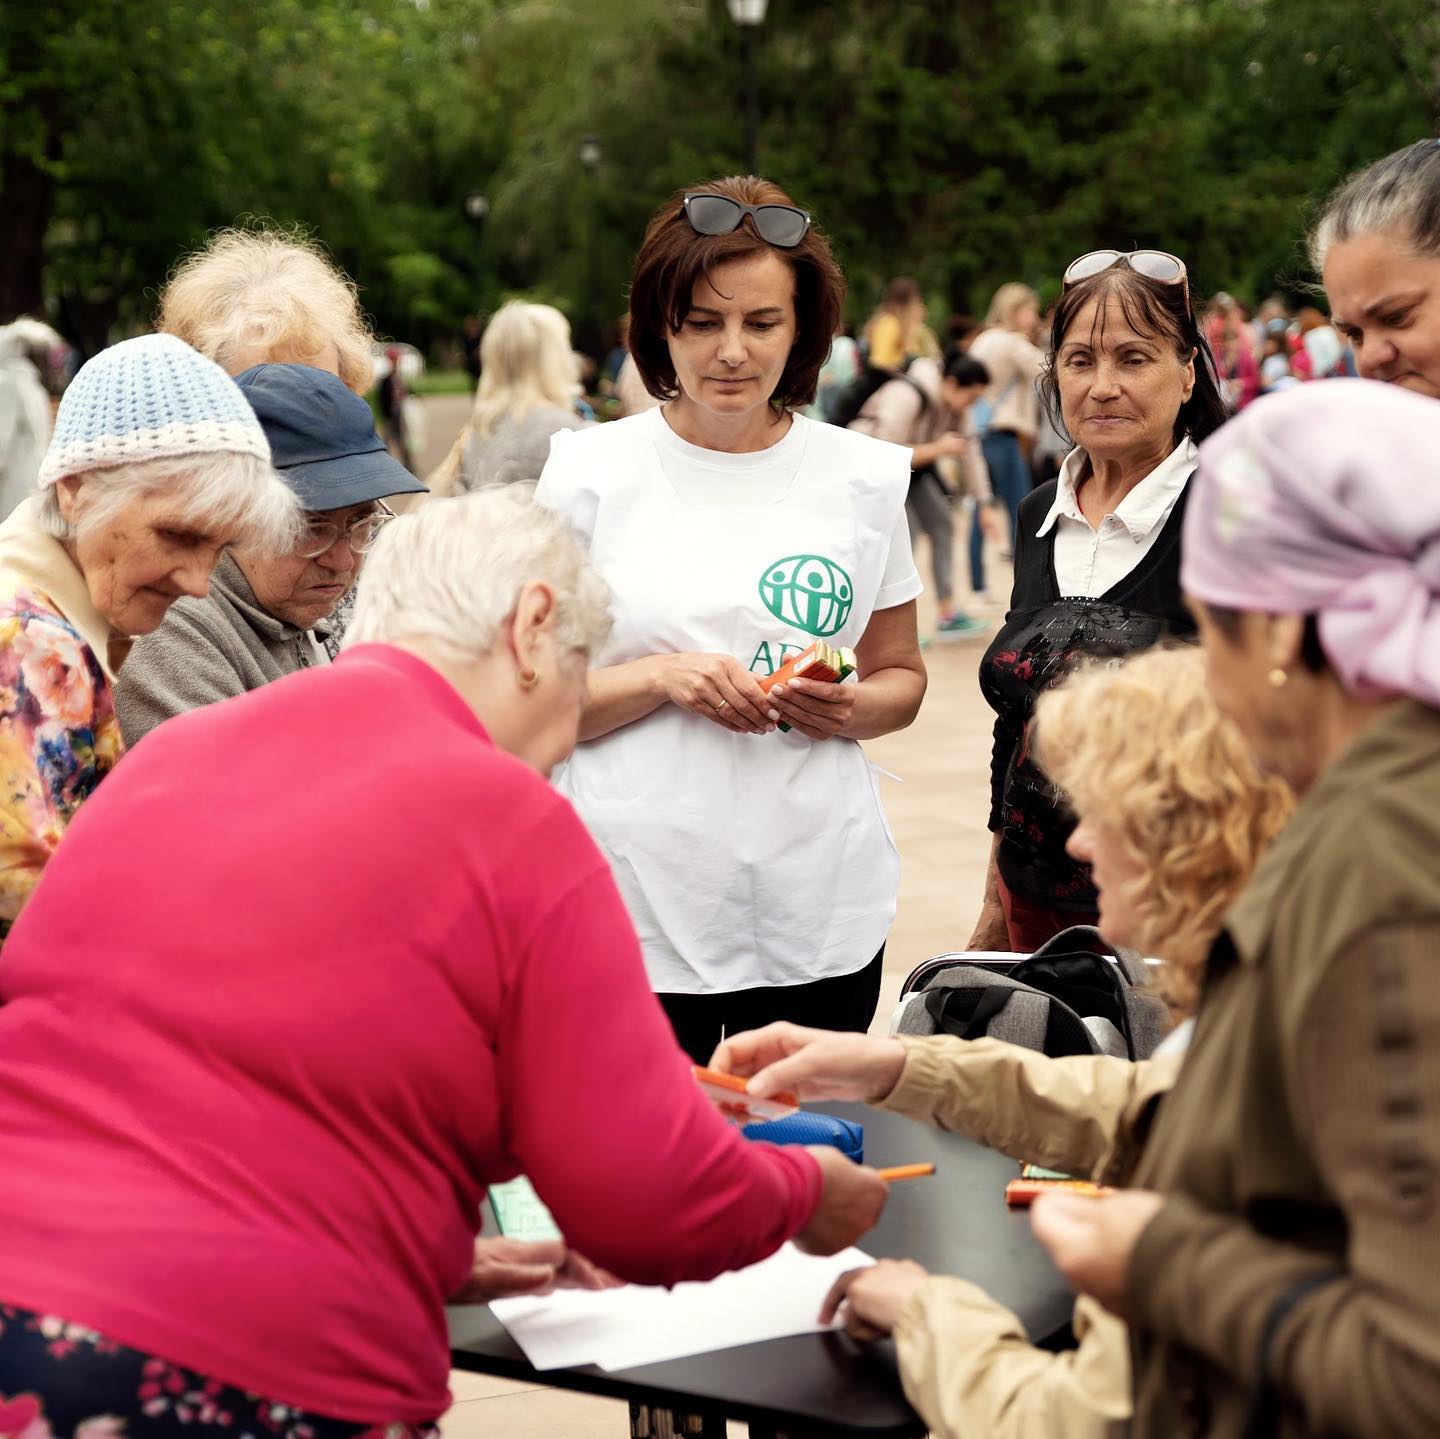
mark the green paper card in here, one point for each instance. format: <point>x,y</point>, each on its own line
<point>520,1212</point>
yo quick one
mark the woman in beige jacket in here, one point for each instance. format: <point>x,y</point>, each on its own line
<point>1174,817</point>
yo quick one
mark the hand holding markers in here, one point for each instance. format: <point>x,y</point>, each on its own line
<point>732,1100</point>
<point>812,1064</point>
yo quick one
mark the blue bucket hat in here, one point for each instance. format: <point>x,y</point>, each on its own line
<point>322,438</point>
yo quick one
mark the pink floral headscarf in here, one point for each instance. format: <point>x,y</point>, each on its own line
<point>1325,500</point>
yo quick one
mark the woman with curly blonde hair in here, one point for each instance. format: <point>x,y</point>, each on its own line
<point>1172,828</point>
<point>1174,816</point>
<point>267,296</point>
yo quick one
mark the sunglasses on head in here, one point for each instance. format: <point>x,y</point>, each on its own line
<point>781,225</point>
<point>1164,268</point>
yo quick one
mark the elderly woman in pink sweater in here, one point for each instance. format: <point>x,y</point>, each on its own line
<point>315,967</point>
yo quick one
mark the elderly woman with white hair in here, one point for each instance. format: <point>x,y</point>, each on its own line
<point>391,968</point>
<point>156,465</point>
<point>528,387</point>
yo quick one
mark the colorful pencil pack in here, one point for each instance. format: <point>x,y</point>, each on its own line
<point>825,663</point>
<point>820,662</point>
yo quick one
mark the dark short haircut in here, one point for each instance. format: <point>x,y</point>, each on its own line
<point>965,371</point>
<point>1150,308</point>
<point>961,327</point>
<point>673,258</point>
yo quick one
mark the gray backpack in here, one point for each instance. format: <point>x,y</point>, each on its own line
<point>1074,995</point>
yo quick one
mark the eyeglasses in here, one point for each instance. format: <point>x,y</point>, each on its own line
<point>360,535</point>
<point>781,225</point>
<point>1156,265</point>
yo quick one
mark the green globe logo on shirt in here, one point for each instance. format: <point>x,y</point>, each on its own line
<point>808,591</point>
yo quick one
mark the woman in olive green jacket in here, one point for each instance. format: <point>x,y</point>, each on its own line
<point>1279,1264</point>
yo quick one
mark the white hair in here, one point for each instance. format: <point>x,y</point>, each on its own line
<point>236,493</point>
<point>267,293</point>
<point>33,339</point>
<point>526,364</point>
<point>1398,195</point>
<point>452,571</point>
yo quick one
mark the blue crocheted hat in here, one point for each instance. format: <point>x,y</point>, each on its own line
<point>151,398</point>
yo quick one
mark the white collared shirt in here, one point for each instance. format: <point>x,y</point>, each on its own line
<point>1089,561</point>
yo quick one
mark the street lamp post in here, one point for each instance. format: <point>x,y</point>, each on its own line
<point>476,207</point>
<point>590,156</point>
<point>749,15</point>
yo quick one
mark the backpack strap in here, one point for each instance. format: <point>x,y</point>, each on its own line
<point>1078,939</point>
<point>1086,939</point>
<point>1133,966</point>
<point>987,1007</point>
<point>1262,1414</point>
<point>918,388</point>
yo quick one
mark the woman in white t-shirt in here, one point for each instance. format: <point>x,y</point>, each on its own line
<point>756,863</point>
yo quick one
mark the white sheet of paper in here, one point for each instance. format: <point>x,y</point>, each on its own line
<point>625,1328</point>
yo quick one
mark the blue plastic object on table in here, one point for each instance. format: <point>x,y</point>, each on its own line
<point>805,1128</point>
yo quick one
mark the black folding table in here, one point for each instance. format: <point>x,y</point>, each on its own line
<point>955,1222</point>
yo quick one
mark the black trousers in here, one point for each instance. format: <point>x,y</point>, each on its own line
<point>846,1001</point>
<point>700,1022</point>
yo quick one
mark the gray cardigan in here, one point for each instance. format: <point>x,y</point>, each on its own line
<point>516,452</point>
<point>207,650</point>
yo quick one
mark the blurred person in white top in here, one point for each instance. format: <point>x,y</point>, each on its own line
<point>927,409</point>
<point>24,407</point>
<point>1008,351</point>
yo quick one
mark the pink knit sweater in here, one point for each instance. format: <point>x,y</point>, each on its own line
<point>311,969</point>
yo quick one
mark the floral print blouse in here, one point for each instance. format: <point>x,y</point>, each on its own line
<point>58,737</point>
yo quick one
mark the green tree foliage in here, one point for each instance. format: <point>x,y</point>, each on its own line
<point>964,141</point>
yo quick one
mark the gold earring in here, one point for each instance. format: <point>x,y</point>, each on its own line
<point>1278,678</point>
<point>527,679</point>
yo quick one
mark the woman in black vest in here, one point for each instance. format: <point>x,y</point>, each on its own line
<point>1097,558</point>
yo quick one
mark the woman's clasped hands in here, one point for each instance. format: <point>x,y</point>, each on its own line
<point>817,709</point>
<point>718,688</point>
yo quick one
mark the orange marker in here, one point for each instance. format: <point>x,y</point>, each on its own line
<point>733,1101</point>
<point>905,1171</point>
<point>1022,1193</point>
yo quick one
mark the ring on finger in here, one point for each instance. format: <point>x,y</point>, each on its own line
<point>723,705</point>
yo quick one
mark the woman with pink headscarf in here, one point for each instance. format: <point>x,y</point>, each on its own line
<point>1277,1261</point>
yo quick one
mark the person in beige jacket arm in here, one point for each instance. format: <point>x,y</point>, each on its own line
<point>1159,820</point>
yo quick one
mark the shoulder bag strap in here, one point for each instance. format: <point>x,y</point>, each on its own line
<point>994,999</point>
<point>1262,1414</point>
